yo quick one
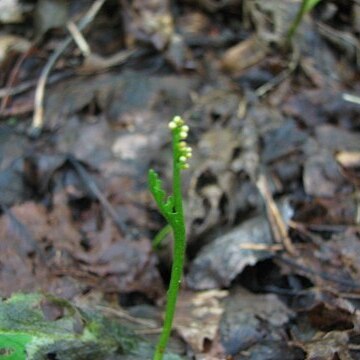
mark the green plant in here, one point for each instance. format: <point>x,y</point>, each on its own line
<point>171,208</point>
<point>305,7</point>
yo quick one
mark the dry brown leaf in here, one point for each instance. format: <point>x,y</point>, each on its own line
<point>197,317</point>
<point>12,43</point>
<point>322,176</point>
<point>250,320</point>
<point>148,21</point>
<point>243,55</point>
<point>328,346</point>
<point>21,230</point>
<point>218,263</point>
<point>50,14</point>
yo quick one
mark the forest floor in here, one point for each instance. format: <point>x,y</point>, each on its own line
<point>272,194</point>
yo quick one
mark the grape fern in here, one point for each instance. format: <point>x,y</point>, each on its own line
<point>171,208</point>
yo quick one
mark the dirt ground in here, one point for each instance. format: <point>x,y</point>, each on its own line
<point>272,194</point>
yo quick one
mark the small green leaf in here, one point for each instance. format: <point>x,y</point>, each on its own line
<point>155,186</point>
<point>166,207</point>
<point>169,205</point>
<point>160,236</point>
<point>13,346</point>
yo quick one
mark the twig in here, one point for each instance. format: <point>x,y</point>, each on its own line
<point>253,168</point>
<point>277,223</point>
<point>38,118</point>
<point>12,79</point>
<point>79,38</point>
<point>261,247</point>
<point>278,79</point>
<point>123,314</point>
<point>27,85</point>
<point>94,62</point>
<point>94,189</point>
<point>351,98</point>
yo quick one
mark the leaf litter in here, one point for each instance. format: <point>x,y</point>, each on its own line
<point>76,216</point>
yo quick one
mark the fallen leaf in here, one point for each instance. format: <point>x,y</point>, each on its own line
<point>322,105</point>
<point>322,176</point>
<point>10,43</point>
<point>148,22</point>
<point>253,319</point>
<point>337,138</point>
<point>13,186</point>
<point>332,345</point>
<point>243,55</point>
<point>329,265</point>
<point>218,263</point>
<point>197,317</point>
<point>50,14</point>
<point>109,260</point>
<point>21,232</point>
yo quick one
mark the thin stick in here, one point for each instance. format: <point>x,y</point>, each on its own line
<point>79,38</point>
<point>38,118</point>
<point>277,223</point>
<point>123,314</point>
<point>94,189</point>
<point>12,79</point>
<point>28,85</point>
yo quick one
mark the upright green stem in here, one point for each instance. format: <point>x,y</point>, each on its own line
<point>179,234</point>
<point>171,208</point>
<point>305,7</point>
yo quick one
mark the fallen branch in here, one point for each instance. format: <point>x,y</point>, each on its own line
<point>38,118</point>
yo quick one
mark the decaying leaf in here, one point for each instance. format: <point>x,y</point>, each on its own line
<point>115,261</point>
<point>323,310</point>
<point>332,345</point>
<point>221,261</point>
<point>253,319</point>
<point>10,43</point>
<point>117,96</point>
<point>322,176</point>
<point>243,55</point>
<point>50,14</point>
<point>21,230</point>
<point>329,265</point>
<point>197,317</point>
<point>149,22</point>
<point>336,138</point>
<point>13,185</point>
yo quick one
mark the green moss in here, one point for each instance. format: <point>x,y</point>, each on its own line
<point>75,334</point>
<point>12,345</point>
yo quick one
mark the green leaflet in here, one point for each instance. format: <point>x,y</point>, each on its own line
<point>13,345</point>
<point>165,205</point>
